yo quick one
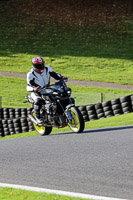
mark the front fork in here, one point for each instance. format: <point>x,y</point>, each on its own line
<point>66,110</point>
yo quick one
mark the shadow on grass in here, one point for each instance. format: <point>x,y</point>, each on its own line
<point>54,40</point>
<point>66,41</point>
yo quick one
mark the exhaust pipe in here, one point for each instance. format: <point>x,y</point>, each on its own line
<point>31,118</point>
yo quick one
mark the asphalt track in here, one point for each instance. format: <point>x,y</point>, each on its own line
<point>97,162</point>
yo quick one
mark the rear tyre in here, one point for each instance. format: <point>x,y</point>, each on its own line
<point>41,129</point>
<point>77,125</point>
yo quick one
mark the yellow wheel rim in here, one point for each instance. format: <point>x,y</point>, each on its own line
<point>40,129</point>
<point>75,121</point>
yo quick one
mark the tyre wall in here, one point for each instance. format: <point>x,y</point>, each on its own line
<point>13,121</point>
<point>106,109</point>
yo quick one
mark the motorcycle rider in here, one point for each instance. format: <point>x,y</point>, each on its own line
<point>38,77</point>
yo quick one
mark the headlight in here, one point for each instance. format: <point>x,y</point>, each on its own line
<point>55,93</point>
<point>69,93</point>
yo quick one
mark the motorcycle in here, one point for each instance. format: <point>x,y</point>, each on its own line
<point>58,109</point>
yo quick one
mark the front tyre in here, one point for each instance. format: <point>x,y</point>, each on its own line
<point>77,125</point>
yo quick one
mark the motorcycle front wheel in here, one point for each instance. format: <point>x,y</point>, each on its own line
<point>41,129</point>
<point>77,124</point>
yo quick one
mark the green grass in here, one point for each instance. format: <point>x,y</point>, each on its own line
<point>17,194</point>
<point>14,91</point>
<point>80,53</point>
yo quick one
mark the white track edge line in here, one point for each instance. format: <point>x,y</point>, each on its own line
<point>58,192</point>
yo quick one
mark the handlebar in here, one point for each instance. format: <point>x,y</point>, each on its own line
<point>56,83</point>
<point>62,80</point>
<point>43,88</point>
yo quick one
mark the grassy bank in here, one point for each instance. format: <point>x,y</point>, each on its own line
<point>79,52</point>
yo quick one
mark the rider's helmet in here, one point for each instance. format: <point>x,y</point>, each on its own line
<point>38,64</point>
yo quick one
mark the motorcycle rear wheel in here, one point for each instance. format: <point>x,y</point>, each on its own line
<point>42,130</point>
<point>77,125</point>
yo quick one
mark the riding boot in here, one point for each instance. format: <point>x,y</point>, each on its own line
<point>37,116</point>
<point>37,107</point>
